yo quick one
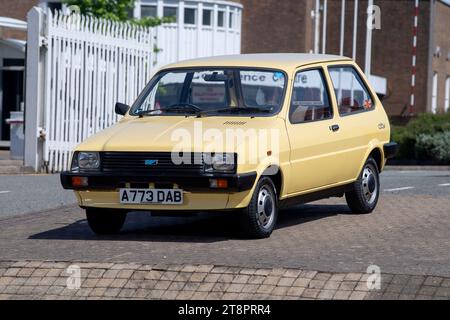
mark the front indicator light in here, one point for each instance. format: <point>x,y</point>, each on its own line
<point>218,183</point>
<point>79,181</point>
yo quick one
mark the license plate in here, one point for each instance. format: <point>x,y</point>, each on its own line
<point>149,196</point>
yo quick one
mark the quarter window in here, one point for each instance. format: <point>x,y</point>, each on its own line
<point>351,93</point>
<point>310,101</point>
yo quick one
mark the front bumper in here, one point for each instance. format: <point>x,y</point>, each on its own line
<point>390,150</point>
<point>100,181</point>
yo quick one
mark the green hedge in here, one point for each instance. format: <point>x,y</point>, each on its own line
<point>427,137</point>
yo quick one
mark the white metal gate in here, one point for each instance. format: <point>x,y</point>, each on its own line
<point>89,65</point>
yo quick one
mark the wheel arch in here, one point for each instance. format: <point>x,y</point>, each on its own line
<point>377,155</point>
<point>275,173</point>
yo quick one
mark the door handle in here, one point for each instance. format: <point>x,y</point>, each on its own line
<point>334,127</point>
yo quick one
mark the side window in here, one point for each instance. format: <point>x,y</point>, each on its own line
<point>310,101</point>
<point>351,93</point>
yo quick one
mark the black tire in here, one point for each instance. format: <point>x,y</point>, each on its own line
<point>253,217</point>
<point>105,221</point>
<point>366,190</point>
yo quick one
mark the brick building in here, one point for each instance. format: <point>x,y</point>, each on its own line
<point>289,26</point>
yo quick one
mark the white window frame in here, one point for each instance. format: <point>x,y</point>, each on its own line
<point>434,93</point>
<point>447,94</point>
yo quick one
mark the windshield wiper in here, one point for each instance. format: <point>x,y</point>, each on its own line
<point>181,107</point>
<point>236,110</point>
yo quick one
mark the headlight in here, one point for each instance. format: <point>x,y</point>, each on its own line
<point>220,162</point>
<point>86,161</point>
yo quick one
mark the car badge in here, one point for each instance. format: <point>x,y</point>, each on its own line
<point>151,162</point>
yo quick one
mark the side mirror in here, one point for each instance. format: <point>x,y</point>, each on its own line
<point>121,109</point>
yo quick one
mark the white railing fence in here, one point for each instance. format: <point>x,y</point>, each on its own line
<point>88,65</point>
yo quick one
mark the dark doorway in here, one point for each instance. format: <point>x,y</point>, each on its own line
<point>12,77</point>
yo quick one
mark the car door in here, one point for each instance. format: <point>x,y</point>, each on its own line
<point>313,130</point>
<point>358,123</point>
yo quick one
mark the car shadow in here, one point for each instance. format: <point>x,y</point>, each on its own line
<point>202,228</point>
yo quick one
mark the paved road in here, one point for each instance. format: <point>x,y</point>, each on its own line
<point>407,234</point>
<point>21,194</point>
<point>31,193</point>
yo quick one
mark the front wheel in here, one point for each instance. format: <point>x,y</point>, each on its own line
<point>105,221</point>
<point>366,190</point>
<point>259,218</point>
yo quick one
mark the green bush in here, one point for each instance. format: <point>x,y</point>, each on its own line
<point>426,126</point>
<point>436,146</point>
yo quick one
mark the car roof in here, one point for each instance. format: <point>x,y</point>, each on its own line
<point>284,61</point>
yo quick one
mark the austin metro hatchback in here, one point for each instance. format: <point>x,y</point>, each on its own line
<point>245,134</point>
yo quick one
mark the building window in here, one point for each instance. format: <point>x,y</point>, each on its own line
<point>447,94</point>
<point>149,11</point>
<point>170,12</point>
<point>221,19</point>
<point>189,15</point>
<point>434,93</point>
<point>231,21</point>
<point>207,14</point>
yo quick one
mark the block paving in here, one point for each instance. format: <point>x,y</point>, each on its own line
<point>49,280</point>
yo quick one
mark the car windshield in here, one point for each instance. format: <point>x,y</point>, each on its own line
<point>210,92</point>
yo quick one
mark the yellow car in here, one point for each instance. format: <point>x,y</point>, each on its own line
<point>248,134</point>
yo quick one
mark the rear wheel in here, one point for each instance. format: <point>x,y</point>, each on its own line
<point>259,218</point>
<point>364,196</point>
<point>105,221</point>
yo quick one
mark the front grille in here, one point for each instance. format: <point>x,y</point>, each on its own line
<point>145,162</point>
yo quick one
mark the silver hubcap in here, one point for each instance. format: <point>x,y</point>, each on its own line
<point>369,185</point>
<point>266,208</point>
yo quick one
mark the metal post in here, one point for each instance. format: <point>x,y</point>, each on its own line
<point>355,29</point>
<point>368,62</point>
<point>316,26</point>
<point>341,51</point>
<point>34,89</point>
<point>324,31</point>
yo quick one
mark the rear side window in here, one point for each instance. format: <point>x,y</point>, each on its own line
<point>310,101</point>
<point>351,93</point>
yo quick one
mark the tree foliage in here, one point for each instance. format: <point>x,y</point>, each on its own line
<point>116,10</point>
